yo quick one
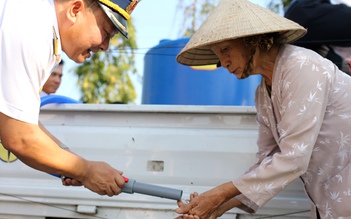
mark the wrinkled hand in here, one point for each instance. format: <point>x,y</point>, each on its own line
<point>182,205</point>
<point>199,207</point>
<point>103,179</point>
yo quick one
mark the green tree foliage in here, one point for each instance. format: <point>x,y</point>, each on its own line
<point>196,12</point>
<point>286,2</point>
<point>105,77</point>
<point>274,5</point>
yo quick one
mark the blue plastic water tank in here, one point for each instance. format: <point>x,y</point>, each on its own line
<point>168,82</point>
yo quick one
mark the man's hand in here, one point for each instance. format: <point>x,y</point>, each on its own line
<point>66,181</point>
<point>103,179</point>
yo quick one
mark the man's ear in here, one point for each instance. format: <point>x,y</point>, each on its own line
<point>76,7</point>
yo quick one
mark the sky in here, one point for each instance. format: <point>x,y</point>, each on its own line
<point>153,22</point>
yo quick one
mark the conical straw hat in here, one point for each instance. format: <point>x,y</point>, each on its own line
<point>233,19</point>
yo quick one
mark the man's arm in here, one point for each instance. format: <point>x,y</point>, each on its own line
<point>56,140</point>
<point>67,181</point>
<point>36,149</point>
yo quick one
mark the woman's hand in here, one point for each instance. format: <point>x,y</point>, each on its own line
<point>201,206</point>
<point>182,205</point>
<point>211,204</point>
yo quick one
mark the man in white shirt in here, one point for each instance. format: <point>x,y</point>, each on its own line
<point>33,35</point>
<point>54,81</point>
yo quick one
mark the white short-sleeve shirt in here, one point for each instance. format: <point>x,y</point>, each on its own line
<point>27,29</point>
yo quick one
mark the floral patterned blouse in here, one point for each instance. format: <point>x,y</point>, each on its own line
<point>304,131</point>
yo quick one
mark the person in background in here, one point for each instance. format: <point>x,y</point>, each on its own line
<point>303,112</point>
<point>343,52</point>
<point>54,81</point>
<point>329,33</point>
<point>31,46</point>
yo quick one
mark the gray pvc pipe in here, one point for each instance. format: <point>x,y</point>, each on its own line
<point>136,187</point>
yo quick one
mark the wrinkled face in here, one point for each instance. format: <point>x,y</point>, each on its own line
<point>233,55</point>
<point>90,31</point>
<point>54,81</point>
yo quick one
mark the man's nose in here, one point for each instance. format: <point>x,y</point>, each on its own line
<point>57,79</point>
<point>104,45</point>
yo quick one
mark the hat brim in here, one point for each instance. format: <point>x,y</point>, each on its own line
<point>233,19</point>
<point>196,55</point>
<point>118,20</point>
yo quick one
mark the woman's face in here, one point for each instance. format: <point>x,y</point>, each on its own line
<point>91,32</point>
<point>233,55</point>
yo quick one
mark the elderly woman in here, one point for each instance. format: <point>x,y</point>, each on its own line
<point>303,112</point>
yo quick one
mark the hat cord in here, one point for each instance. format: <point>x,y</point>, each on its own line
<point>262,41</point>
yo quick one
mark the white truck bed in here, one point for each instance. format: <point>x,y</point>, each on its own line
<point>192,148</point>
